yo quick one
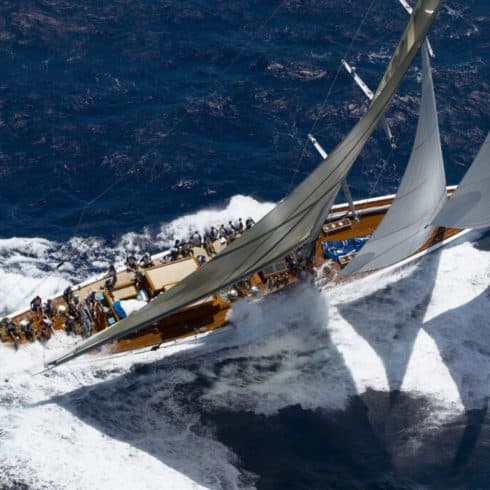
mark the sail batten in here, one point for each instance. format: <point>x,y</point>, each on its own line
<point>469,207</point>
<point>293,221</point>
<point>422,192</point>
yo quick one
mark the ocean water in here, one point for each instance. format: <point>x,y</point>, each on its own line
<point>124,125</point>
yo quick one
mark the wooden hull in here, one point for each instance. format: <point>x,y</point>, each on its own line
<point>211,313</point>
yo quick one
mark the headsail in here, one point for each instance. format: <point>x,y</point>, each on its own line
<point>421,194</point>
<point>294,221</point>
<point>469,207</point>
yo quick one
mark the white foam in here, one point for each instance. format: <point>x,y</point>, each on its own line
<point>418,329</point>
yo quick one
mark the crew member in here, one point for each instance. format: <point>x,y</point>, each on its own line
<point>186,249</point>
<point>69,325</point>
<point>37,306</point>
<point>68,294</point>
<point>12,331</point>
<point>196,239</point>
<point>49,308</point>
<point>131,263</point>
<point>249,223</point>
<point>73,305</point>
<point>209,247</point>
<point>111,280</point>
<point>214,233</point>
<point>146,261</point>
<point>27,328</point>
<point>175,250</point>
<point>90,299</point>
<point>139,279</point>
<point>237,225</point>
<point>46,329</point>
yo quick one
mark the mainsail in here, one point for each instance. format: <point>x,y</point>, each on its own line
<point>422,192</point>
<point>469,207</point>
<point>294,221</point>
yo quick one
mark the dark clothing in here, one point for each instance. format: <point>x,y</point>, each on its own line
<point>49,308</point>
<point>37,304</point>
<point>67,294</point>
<point>146,261</point>
<point>110,282</point>
<point>174,253</point>
<point>90,299</point>
<point>69,324</point>
<point>131,262</point>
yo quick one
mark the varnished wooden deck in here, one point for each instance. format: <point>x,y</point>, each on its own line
<point>211,314</point>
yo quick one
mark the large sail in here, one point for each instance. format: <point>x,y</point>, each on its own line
<point>422,192</point>
<point>469,207</point>
<point>294,221</point>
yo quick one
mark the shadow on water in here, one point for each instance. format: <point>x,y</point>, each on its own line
<point>198,416</point>
<point>444,456</point>
<point>182,411</point>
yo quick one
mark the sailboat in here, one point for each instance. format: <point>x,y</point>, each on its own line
<point>306,232</point>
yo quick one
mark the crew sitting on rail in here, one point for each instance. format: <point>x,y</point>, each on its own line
<point>68,294</point>
<point>111,280</point>
<point>37,306</point>
<point>175,250</point>
<point>214,233</point>
<point>27,329</point>
<point>222,232</point>
<point>249,223</point>
<point>49,308</point>
<point>131,263</point>
<point>225,234</point>
<point>196,239</point>
<point>186,249</point>
<point>237,225</point>
<point>230,230</point>
<point>209,247</point>
<point>146,261</point>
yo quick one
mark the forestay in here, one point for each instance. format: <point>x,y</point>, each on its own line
<point>294,221</point>
<point>469,207</point>
<point>422,192</point>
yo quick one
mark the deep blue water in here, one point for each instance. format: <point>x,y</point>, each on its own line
<point>181,105</point>
<point>124,114</point>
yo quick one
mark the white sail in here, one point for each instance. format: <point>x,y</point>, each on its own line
<point>469,207</point>
<point>422,192</point>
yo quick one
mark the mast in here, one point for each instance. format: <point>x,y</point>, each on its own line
<point>344,185</point>
<point>369,94</point>
<point>295,221</point>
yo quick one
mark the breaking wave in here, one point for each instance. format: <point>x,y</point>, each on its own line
<point>162,419</point>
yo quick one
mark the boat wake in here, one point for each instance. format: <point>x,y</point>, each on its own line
<point>400,360</point>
